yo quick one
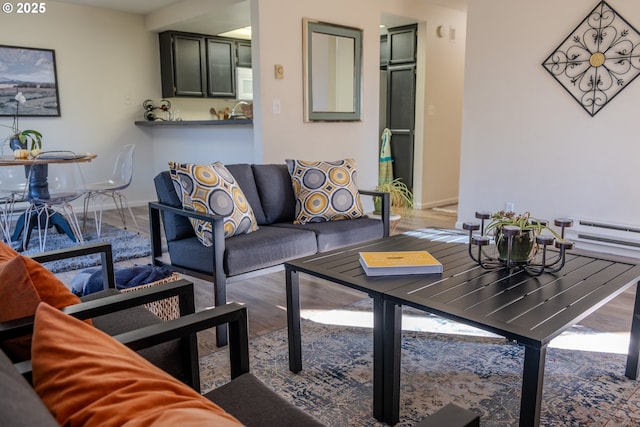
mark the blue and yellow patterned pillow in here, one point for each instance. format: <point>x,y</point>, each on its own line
<point>212,189</point>
<point>325,191</point>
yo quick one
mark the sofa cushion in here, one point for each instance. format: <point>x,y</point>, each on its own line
<point>253,403</point>
<point>276,193</point>
<point>325,191</point>
<point>87,378</point>
<point>23,284</point>
<point>266,247</point>
<point>337,234</point>
<point>20,406</point>
<point>211,188</point>
<point>243,173</point>
<point>175,226</point>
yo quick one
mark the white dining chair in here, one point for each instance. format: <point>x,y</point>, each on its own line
<point>112,188</point>
<point>52,186</point>
<point>13,184</point>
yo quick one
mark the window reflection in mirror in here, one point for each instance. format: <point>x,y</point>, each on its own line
<point>332,72</point>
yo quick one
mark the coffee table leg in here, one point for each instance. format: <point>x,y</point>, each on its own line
<point>634,341</point>
<point>293,320</point>
<point>387,336</point>
<point>532,379</point>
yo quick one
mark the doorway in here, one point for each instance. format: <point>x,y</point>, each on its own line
<point>398,96</point>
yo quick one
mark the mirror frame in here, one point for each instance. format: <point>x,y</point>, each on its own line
<point>309,28</point>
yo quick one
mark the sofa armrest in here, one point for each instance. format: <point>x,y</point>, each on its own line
<point>233,314</point>
<point>102,248</point>
<point>110,304</point>
<point>218,277</point>
<point>217,227</point>
<point>386,206</point>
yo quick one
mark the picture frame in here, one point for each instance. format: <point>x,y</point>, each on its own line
<point>31,71</point>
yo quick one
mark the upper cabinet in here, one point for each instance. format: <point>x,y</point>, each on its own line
<point>182,65</point>
<point>221,76</point>
<point>243,52</point>
<point>198,65</point>
<point>401,45</point>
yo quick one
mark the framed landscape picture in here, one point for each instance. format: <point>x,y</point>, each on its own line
<point>31,71</point>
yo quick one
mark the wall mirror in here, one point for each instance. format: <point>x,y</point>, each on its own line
<point>332,72</point>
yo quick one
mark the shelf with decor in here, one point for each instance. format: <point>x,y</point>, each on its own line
<point>183,123</point>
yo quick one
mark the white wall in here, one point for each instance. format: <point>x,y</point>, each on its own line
<point>286,135</point>
<point>525,139</point>
<point>106,67</point>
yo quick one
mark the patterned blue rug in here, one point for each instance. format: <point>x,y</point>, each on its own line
<point>482,373</point>
<point>125,245</point>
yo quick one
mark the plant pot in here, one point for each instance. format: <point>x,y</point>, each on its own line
<point>16,144</point>
<point>377,205</point>
<point>522,248</point>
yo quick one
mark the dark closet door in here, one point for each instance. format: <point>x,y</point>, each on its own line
<point>401,93</point>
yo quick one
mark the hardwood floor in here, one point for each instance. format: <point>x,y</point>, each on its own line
<point>265,297</point>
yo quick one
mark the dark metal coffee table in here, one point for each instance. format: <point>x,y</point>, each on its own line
<point>529,310</point>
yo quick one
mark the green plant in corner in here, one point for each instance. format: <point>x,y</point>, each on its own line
<point>400,196</point>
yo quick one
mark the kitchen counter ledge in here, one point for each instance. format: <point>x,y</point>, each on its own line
<point>194,123</point>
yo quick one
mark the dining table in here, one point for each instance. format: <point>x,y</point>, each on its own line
<point>36,172</point>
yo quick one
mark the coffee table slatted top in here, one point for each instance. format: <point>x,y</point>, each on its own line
<point>531,310</point>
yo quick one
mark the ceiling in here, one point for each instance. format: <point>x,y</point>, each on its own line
<point>229,14</point>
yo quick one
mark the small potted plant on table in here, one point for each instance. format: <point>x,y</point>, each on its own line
<point>523,246</point>
<point>24,143</point>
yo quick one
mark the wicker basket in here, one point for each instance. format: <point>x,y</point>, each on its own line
<point>166,309</point>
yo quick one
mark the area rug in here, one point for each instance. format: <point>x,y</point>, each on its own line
<point>482,373</point>
<point>125,245</point>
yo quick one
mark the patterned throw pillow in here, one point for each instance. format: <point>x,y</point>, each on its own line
<point>212,189</point>
<point>325,191</point>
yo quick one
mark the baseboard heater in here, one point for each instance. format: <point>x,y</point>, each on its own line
<point>605,237</point>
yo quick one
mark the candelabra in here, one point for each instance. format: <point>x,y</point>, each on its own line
<point>547,262</point>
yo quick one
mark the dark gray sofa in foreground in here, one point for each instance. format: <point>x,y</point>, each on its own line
<point>245,397</point>
<point>268,190</point>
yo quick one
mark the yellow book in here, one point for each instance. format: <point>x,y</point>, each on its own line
<point>399,262</point>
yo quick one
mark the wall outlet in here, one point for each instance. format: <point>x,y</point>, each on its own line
<point>510,207</point>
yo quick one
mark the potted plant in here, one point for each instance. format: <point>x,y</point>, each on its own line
<point>23,142</point>
<point>400,196</point>
<point>523,246</point>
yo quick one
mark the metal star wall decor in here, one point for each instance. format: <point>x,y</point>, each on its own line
<point>598,59</point>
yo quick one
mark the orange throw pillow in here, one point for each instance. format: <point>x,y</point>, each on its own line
<point>18,298</point>
<point>86,378</point>
<point>23,284</point>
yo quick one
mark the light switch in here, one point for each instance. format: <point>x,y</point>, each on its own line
<point>431,110</point>
<point>279,71</point>
<point>276,106</point>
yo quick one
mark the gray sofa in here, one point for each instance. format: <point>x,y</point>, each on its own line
<point>268,189</point>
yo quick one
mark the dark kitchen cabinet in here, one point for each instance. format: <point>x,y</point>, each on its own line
<point>197,65</point>
<point>243,51</point>
<point>221,76</point>
<point>182,65</point>
<point>402,44</point>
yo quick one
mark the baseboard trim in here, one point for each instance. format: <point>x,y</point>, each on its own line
<point>436,204</point>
